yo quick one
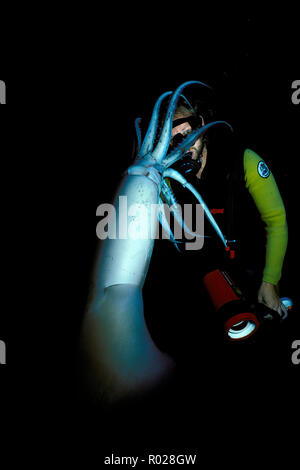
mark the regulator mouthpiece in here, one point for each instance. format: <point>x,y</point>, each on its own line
<point>189,165</point>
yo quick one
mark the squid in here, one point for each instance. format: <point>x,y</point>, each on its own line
<point>119,357</point>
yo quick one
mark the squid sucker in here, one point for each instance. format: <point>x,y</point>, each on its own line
<point>118,354</point>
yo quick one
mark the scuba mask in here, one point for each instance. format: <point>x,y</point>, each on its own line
<point>188,165</point>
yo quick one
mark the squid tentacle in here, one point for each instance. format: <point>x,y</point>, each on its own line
<point>137,123</point>
<point>161,148</point>
<point>165,224</point>
<point>187,102</point>
<point>171,201</point>
<point>178,152</point>
<point>149,139</point>
<point>171,173</point>
<point>152,128</point>
<point>168,194</point>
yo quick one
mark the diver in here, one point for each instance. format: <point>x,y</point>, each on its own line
<point>247,175</point>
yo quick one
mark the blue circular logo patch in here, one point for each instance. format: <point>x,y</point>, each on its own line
<point>263,169</point>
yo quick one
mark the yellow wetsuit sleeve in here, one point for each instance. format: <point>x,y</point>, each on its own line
<point>262,186</point>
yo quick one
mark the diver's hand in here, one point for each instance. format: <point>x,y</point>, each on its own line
<point>268,296</point>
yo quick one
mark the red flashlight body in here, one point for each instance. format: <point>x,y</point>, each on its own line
<point>230,305</point>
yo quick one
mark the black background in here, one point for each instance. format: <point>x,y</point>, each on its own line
<point>67,136</point>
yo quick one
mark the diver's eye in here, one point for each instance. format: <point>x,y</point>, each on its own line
<point>177,139</point>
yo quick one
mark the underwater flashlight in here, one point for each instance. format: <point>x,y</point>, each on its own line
<point>239,320</point>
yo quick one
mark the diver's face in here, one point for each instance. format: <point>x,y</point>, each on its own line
<point>197,148</point>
